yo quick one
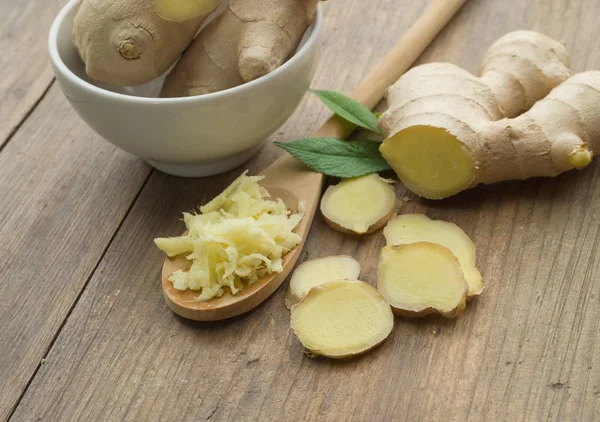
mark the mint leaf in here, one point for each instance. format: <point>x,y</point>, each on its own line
<point>348,109</point>
<point>333,157</point>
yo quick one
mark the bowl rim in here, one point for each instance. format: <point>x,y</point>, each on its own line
<point>62,68</point>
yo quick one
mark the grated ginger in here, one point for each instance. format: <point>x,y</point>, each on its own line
<point>241,235</point>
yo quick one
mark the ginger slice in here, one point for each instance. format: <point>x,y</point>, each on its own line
<point>421,278</point>
<point>318,271</point>
<point>342,319</point>
<point>360,205</point>
<point>411,228</point>
<point>183,10</point>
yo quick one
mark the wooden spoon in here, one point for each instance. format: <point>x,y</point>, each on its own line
<point>291,181</point>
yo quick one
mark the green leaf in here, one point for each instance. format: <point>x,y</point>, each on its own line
<point>348,109</point>
<point>333,157</point>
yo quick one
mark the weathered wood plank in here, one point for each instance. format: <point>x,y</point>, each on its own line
<point>24,63</point>
<point>63,194</point>
<point>525,350</point>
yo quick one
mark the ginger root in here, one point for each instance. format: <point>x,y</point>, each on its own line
<point>250,39</point>
<point>412,228</point>
<point>421,278</point>
<point>126,42</point>
<point>448,130</point>
<point>360,205</point>
<point>318,271</point>
<point>341,319</point>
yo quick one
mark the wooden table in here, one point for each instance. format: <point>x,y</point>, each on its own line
<point>85,334</point>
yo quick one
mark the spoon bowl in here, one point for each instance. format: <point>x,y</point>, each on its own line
<point>287,180</point>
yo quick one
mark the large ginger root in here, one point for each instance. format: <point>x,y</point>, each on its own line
<point>250,39</point>
<point>412,228</point>
<point>448,131</point>
<point>318,271</point>
<point>341,319</point>
<point>421,278</point>
<point>360,205</point>
<point>126,42</point>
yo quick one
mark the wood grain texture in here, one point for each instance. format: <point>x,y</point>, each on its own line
<point>24,63</point>
<point>63,193</point>
<point>527,349</point>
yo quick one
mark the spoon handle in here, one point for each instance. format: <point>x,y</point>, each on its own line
<point>398,60</point>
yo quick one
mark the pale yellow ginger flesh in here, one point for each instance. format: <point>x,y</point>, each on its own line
<point>318,271</point>
<point>183,10</point>
<point>359,205</point>
<point>422,278</point>
<point>239,237</point>
<point>126,42</point>
<point>249,40</point>
<point>412,228</point>
<point>524,117</point>
<point>430,161</point>
<point>341,319</point>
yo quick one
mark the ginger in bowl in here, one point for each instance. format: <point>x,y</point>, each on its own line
<point>204,113</point>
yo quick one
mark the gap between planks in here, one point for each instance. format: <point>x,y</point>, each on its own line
<point>85,284</point>
<point>15,129</point>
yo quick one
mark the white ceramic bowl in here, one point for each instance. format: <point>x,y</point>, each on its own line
<point>190,136</point>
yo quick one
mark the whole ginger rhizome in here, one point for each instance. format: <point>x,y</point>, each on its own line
<point>237,238</point>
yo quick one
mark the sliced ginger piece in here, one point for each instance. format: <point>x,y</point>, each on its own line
<point>318,271</point>
<point>411,228</point>
<point>422,278</point>
<point>359,205</point>
<point>183,10</point>
<point>342,319</point>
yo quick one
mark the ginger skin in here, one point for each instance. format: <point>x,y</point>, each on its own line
<point>127,43</point>
<point>250,39</point>
<point>448,130</point>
